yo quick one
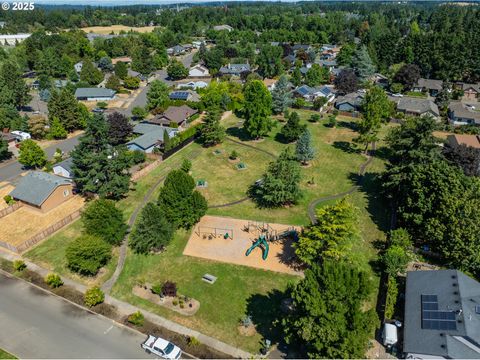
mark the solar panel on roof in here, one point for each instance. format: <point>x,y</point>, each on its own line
<point>434,319</point>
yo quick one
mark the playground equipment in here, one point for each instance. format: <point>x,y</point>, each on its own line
<point>213,232</point>
<point>260,242</point>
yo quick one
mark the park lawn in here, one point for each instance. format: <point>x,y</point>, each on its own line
<point>6,355</point>
<point>238,290</point>
<point>332,170</point>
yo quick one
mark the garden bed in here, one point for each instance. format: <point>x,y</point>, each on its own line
<point>190,306</point>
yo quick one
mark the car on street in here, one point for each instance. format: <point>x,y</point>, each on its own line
<point>161,347</point>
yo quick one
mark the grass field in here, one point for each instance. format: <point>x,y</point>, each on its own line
<point>116,29</point>
<point>242,290</point>
<point>6,355</point>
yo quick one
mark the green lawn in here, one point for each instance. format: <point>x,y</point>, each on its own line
<point>6,355</point>
<point>241,290</point>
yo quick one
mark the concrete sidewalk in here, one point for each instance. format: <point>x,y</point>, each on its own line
<point>126,309</point>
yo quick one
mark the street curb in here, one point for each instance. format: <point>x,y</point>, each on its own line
<point>7,274</point>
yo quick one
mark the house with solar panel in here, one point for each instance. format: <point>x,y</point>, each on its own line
<point>198,71</point>
<point>311,93</point>
<point>151,137</point>
<point>184,96</point>
<point>442,315</point>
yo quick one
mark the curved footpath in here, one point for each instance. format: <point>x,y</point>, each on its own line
<point>361,172</point>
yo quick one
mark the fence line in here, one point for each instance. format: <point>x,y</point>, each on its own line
<point>10,209</point>
<point>147,169</point>
<point>47,232</point>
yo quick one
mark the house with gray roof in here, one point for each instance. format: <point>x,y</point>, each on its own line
<point>463,114</point>
<point>311,93</point>
<point>95,94</point>
<point>42,191</point>
<point>350,102</point>
<point>152,136</point>
<point>442,315</point>
<point>64,168</point>
<point>234,69</point>
<point>176,50</point>
<point>428,85</point>
<point>223,28</point>
<point>418,107</point>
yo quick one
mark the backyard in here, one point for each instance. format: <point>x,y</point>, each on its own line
<point>239,290</point>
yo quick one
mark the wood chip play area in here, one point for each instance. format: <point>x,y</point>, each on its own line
<point>269,245</point>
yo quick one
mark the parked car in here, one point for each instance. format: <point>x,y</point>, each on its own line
<point>389,335</point>
<point>21,135</point>
<point>161,347</point>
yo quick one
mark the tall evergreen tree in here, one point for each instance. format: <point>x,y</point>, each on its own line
<point>280,185</point>
<point>257,109</point>
<point>5,154</point>
<point>64,106</point>
<point>121,70</point>
<point>211,132</point>
<point>11,81</point>
<point>98,168</point>
<point>119,128</point>
<point>281,96</point>
<point>292,129</point>
<point>329,320</point>
<point>363,63</point>
<point>90,73</point>
<point>157,95</point>
<point>304,149</point>
<point>153,231</point>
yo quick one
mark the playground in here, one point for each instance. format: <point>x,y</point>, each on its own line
<point>261,245</point>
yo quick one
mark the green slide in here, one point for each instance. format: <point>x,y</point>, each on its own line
<point>260,242</point>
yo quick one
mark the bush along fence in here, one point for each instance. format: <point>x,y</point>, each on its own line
<point>180,141</point>
<point>147,169</point>
<point>44,233</point>
<point>10,209</point>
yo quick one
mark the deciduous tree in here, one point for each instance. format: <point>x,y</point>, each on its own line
<point>119,128</point>
<point>257,109</point>
<point>87,254</point>
<point>31,155</point>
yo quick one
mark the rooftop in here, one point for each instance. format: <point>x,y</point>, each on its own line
<point>94,92</point>
<point>417,106</point>
<point>429,84</point>
<point>36,186</point>
<point>442,317</point>
<point>461,139</point>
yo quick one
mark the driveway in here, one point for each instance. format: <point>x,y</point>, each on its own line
<point>12,169</point>
<point>34,324</point>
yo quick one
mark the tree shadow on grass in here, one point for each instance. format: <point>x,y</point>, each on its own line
<point>383,152</point>
<point>377,206</point>
<point>347,125</point>
<point>238,133</point>
<point>266,314</point>
<point>346,146</point>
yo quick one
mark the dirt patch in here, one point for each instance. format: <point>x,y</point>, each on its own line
<point>208,241</point>
<point>247,330</point>
<point>191,306</point>
<point>26,222</point>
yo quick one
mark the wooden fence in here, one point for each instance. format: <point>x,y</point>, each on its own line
<point>147,169</point>
<point>10,209</point>
<point>44,233</point>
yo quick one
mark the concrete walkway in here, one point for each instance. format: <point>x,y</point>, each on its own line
<point>125,309</point>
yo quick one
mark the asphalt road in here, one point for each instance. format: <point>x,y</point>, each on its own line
<point>12,169</point>
<point>34,324</point>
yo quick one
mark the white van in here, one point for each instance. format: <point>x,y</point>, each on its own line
<point>21,135</point>
<point>389,335</point>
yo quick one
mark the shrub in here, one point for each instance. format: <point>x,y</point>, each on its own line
<point>157,289</point>
<point>138,157</point>
<point>233,155</point>
<point>53,280</point>
<point>102,105</point>
<point>186,165</point>
<point>193,341</point>
<point>314,118</point>
<point>101,218</point>
<point>8,199</point>
<point>136,318</point>
<point>19,265</point>
<point>93,296</point>
<point>175,302</point>
<point>391,300</point>
<point>395,260</point>
<point>87,254</point>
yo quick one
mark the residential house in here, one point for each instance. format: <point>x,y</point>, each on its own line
<point>290,59</point>
<point>418,107</point>
<point>311,93</point>
<point>64,168</point>
<point>78,67</point>
<point>193,85</point>
<point>350,102</point>
<point>222,28</point>
<point>470,91</point>
<point>136,74</point>
<point>177,115</point>
<point>379,80</point>
<point>431,86</point>
<point>463,114</point>
<point>329,52</point>
<point>151,137</point>
<point>198,71</point>
<point>184,96</point>
<point>94,94</point>
<point>60,84</point>
<point>330,64</point>
<point>301,47</point>
<point>270,83</point>
<point>92,36</point>
<point>176,50</point>
<point>197,44</point>
<point>12,40</point>
<point>124,59</point>
<point>464,139</point>
<point>42,191</point>
<point>442,315</point>
<point>234,69</point>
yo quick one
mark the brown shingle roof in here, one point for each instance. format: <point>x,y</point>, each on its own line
<point>468,140</point>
